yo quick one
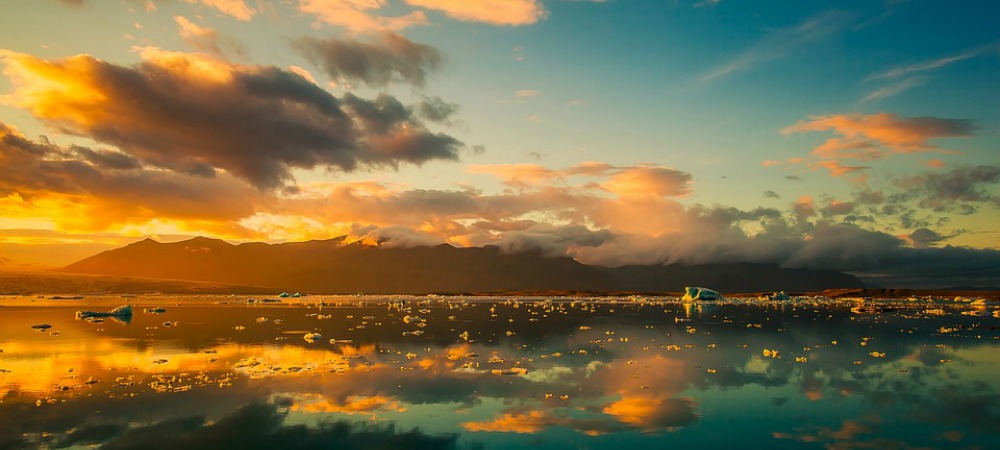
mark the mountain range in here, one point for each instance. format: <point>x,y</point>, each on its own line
<point>336,266</point>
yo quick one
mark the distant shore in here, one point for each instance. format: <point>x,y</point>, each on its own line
<point>885,293</point>
<point>35,282</point>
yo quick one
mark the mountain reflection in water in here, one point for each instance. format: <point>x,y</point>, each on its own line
<point>416,372</point>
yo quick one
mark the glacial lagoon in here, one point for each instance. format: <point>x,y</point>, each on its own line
<point>489,373</point>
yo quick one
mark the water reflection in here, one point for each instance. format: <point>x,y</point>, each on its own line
<point>547,374</point>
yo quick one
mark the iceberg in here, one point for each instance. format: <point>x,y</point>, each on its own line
<point>121,311</point>
<point>780,295</point>
<point>700,293</point>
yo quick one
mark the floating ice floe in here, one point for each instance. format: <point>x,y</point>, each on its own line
<point>311,337</point>
<point>700,293</point>
<point>157,310</point>
<point>41,327</point>
<point>121,311</point>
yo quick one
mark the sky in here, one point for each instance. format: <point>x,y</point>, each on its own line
<point>849,135</point>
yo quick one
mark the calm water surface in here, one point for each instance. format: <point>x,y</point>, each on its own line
<point>417,372</point>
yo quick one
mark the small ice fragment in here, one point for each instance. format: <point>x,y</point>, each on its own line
<point>41,326</point>
<point>311,337</point>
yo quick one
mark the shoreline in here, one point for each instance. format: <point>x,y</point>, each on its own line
<point>49,283</point>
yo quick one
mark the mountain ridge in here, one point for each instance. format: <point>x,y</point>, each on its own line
<point>335,266</point>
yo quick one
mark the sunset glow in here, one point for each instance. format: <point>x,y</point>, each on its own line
<point>831,136</point>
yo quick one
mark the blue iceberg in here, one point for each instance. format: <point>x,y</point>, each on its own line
<point>700,293</point>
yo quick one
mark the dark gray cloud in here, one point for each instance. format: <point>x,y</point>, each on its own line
<point>391,132</point>
<point>923,238</point>
<point>106,158</point>
<point>961,189</point>
<point>195,115</point>
<point>834,208</point>
<point>771,194</point>
<point>262,426</point>
<point>392,59</point>
<point>435,109</point>
<point>550,240</point>
<point>878,258</point>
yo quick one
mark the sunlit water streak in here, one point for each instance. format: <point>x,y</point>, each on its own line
<point>429,372</point>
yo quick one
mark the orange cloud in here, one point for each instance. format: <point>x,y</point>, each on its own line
<point>849,149</point>
<point>80,189</point>
<point>509,12</point>
<point>836,168</point>
<point>304,73</point>
<point>652,412</point>
<point>525,423</point>
<point>356,15</point>
<point>206,39</point>
<point>897,134</point>
<point>353,404</point>
<point>876,136</point>
<point>235,8</point>
<point>518,175</point>
<point>649,180</point>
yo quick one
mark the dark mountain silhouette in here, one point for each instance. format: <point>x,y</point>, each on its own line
<point>333,266</point>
